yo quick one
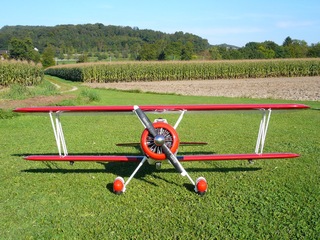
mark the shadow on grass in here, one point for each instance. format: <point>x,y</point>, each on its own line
<point>189,187</point>
<point>125,169</point>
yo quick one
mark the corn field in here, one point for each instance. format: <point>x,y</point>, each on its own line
<point>160,71</point>
<point>20,72</point>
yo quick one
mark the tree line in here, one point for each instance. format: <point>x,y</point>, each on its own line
<point>42,43</point>
<point>102,41</point>
<point>291,48</point>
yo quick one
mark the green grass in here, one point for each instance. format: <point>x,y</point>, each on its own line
<point>64,86</point>
<point>48,87</point>
<point>19,92</point>
<point>272,199</point>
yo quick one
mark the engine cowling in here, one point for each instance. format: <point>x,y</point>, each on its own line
<point>152,146</point>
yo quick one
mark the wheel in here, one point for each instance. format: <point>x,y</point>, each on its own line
<point>201,186</point>
<point>152,146</point>
<point>118,186</point>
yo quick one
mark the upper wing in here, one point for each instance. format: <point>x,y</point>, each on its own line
<point>162,108</point>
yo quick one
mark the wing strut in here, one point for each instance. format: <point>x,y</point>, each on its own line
<point>263,129</point>
<point>179,119</point>
<point>58,133</point>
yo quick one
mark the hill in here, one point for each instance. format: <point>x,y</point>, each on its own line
<point>93,38</point>
<point>227,46</point>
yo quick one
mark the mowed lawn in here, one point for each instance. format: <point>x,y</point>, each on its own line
<point>270,199</point>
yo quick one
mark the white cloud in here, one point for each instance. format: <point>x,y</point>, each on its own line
<point>294,24</point>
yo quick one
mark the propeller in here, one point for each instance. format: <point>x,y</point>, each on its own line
<point>166,150</point>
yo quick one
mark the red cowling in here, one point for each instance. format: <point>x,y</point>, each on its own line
<point>151,149</point>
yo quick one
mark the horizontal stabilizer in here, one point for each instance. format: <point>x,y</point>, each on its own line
<point>181,144</point>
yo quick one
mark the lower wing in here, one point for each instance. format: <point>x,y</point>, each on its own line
<point>115,158</point>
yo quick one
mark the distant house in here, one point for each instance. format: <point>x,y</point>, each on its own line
<point>4,54</point>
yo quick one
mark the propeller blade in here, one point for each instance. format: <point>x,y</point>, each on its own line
<point>145,120</point>
<point>170,156</point>
<point>173,160</point>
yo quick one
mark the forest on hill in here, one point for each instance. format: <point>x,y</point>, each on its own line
<point>131,43</point>
<point>113,40</point>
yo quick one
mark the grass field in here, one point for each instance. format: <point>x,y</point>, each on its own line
<point>272,199</point>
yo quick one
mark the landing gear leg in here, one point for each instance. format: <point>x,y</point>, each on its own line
<point>119,186</point>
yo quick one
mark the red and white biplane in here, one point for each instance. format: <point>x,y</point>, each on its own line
<point>159,140</point>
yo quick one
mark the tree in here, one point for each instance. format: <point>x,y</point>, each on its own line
<point>173,50</point>
<point>266,52</point>
<point>23,49</point>
<point>134,50</point>
<point>18,49</point>
<point>187,51</point>
<point>148,52</point>
<point>48,57</point>
<point>251,51</point>
<point>214,53</point>
<point>296,48</point>
<point>287,42</point>
<point>300,48</point>
<point>314,50</point>
<point>278,50</point>
<point>235,54</point>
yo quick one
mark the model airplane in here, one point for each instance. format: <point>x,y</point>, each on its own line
<point>159,140</point>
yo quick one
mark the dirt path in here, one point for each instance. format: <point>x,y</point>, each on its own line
<point>300,88</point>
<point>74,88</point>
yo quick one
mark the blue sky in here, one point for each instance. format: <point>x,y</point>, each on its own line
<point>227,21</point>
